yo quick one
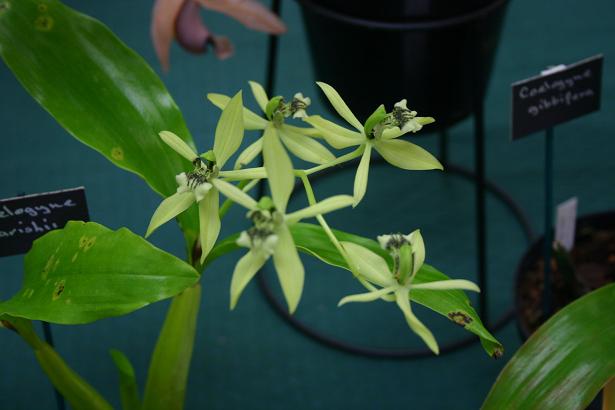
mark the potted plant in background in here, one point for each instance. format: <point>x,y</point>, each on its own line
<point>436,53</point>
<point>588,266</point>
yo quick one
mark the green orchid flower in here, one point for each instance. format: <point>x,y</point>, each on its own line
<point>297,140</point>
<point>379,132</point>
<point>408,253</point>
<point>270,237</point>
<point>207,180</point>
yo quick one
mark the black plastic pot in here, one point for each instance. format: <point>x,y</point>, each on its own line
<point>603,220</point>
<point>436,53</point>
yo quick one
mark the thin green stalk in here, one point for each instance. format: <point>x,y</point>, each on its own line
<point>79,393</point>
<point>337,161</point>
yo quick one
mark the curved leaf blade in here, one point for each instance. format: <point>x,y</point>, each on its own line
<point>98,89</point>
<point>86,272</point>
<point>565,363</point>
<point>129,390</point>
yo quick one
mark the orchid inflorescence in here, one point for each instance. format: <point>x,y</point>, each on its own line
<point>270,234</point>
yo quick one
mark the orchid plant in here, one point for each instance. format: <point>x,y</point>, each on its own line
<point>87,272</point>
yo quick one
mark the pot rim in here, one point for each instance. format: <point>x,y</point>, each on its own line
<point>591,218</point>
<point>406,26</point>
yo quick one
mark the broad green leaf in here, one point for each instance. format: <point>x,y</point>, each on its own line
<point>374,119</point>
<point>87,272</point>
<point>406,155</point>
<point>279,168</point>
<point>565,363</point>
<point>304,147</point>
<point>98,89</point>
<point>289,268</point>
<point>129,390</point>
<point>251,121</point>
<point>79,393</point>
<point>170,364</point>
<point>229,131</point>
<point>340,106</point>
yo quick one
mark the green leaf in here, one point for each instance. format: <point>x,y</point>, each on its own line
<point>168,371</point>
<point>229,132</point>
<point>374,119</point>
<point>565,362</point>
<point>129,390</point>
<point>87,272</point>
<point>98,89</point>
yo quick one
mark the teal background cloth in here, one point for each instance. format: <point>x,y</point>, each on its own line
<point>250,358</point>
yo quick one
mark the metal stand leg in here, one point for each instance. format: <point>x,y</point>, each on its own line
<point>481,231</point>
<point>443,147</point>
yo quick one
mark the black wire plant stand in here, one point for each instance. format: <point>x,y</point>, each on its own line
<point>482,186</point>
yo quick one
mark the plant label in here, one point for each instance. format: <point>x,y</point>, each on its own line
<point>25,218</point>
<point>566,223</point>
<point>557,95</point>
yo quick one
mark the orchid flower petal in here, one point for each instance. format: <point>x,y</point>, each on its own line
<point>229,131</point>
<point>246,268</point>
<point>325,206</point>
<point>405,155</point>
<point>251,121</point>
<point>279,168</point>
<point>418,250</point>
<point>305,147</point>
<point>246,173</point>
<point>250,13</point>
<point>259,94</point>
<point>369,265</point>
<point>169,208</point>
<point>209,222</point>
<point>450,284</point>
<point>336,136</point>
<point>247,155</point>
<point>366,297</point>
<point>289,267</point>
<point>340,106</point>
<point>360,179</point>
<point>403,301</point>
<point>234,194</point>
<point>162,26</point>
<point>178,145</point>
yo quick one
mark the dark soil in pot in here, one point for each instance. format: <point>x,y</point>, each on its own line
<point>438,54</point>
<point>593,261</point>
